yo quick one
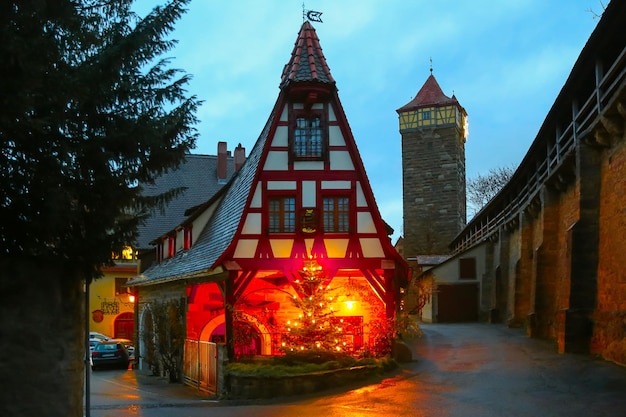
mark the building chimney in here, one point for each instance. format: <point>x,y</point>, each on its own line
<point>240,157</point>
<point>222,154</point>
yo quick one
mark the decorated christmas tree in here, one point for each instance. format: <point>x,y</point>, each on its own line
<point>315,327</point>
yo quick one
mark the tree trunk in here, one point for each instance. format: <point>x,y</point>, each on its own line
<point>41,340</point>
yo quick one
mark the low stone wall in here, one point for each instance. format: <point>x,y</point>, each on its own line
<point>255,387</point>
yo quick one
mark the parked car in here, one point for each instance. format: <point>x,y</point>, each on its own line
<point>96,335</point>
<point>93,341</point>
<point>130,346</point>
<point>110,353</point>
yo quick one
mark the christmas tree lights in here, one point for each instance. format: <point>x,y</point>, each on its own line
<point>316,327</point>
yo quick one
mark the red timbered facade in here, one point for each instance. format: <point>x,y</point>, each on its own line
<point>299,211</point>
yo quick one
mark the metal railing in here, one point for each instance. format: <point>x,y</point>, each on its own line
<point>528,180</point>
<point>200,367</point>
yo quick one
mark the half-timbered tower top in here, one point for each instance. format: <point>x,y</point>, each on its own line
<point>429,95</point>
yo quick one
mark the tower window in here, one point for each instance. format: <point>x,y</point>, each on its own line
<point>282,215</point>
<point>336,214</point>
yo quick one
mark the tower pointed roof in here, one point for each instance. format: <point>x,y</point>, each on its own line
<point>429,95</point>
<point>307,61</point>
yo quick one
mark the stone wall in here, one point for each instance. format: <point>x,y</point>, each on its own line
<point>255,387</point>
<point>610,316</point>
<point>433,181</point>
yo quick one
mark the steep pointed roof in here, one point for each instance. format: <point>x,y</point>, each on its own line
<point>307,68</point>
<point>307,61</point>
<point>429,95</point>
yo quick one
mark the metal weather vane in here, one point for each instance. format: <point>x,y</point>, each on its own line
<point>311,15</point>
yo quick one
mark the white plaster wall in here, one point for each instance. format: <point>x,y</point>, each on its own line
<point>341,160</point>
<point>276,161</point>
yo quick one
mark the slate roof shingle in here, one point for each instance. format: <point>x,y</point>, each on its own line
<point>219,232</point>
<point>198,173</point>
<point>307,61</point>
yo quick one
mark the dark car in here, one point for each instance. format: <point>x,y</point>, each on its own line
<point>110,354</point>
<point>129,346</point>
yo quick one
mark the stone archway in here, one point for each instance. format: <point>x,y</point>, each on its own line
<point>146,327</point>
<point>263,332</point>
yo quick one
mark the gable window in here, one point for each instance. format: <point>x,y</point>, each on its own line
<point>336,214</point>
<point>282,215</point>
<point>308,137</point>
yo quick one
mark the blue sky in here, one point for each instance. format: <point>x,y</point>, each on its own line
<point>505,61</point>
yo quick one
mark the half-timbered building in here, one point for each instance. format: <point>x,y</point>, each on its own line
<point>301,206</point>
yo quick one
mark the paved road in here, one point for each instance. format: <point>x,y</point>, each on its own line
<point>460,370</point>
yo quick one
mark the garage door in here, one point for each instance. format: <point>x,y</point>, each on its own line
<point>457,302</point>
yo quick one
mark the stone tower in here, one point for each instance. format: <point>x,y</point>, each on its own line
<point>433,128</point>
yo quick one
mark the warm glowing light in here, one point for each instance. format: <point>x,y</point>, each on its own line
<point>131,298</point>
<point>349,304</point>
<point>338,348</point>
<point>301,347</point>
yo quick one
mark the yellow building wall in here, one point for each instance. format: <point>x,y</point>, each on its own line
<point>105,306</point>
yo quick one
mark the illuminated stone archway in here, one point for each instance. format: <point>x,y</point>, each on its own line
<point>264,334</point>
<point>146,327</point>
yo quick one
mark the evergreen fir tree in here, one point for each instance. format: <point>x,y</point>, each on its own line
<point>315,328</point>
<point>87,112</point>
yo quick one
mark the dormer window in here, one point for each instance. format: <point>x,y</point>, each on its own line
<point>308,136</point>
<point>160,251</point>
<point>171,246</point>
<point>187,237</point>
